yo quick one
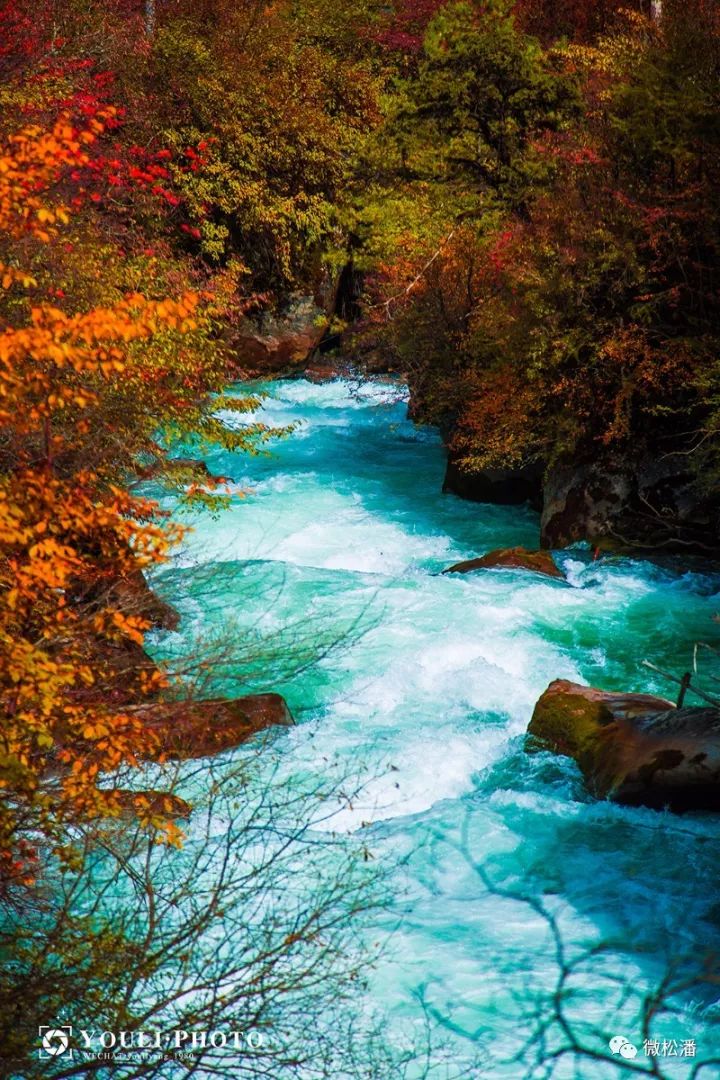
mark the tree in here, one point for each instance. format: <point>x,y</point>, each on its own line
<point>576,20</point>
<point>568,325</point>
<point>484,91</point>
<point>81,398</point>
<point>64,522</point>
<point>281,104</point>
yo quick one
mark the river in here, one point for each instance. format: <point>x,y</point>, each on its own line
<point>332,547</point>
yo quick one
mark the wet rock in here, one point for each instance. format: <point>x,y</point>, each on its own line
<point>669,758</point>
<point>195,729</point>
<point>133,596</point>
<point>505,487</point>
<point>582,503</point>
<point>636,749</point>
<point>569,715</point>
<point>276,341</point>
<point>320,373</point>
<point>644,502</point>
<point>517,558</point>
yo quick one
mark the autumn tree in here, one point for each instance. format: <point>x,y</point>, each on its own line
<point>573,319</point>
<point>483,92</point>
<point>280,103</point>
<point>82,395</point>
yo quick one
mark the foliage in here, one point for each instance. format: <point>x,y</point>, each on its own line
<point>531,191</point>
<point>82,396</point>
<point>279,105</point>
<point>59,525</point>
<point>580,315</point>
<point>483,92</point>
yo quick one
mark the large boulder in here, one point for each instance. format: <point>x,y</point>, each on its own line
<point>669,758</point>
<point>569,716</point>
<point>320,373</point>
<point>129,592</point>
<point>128,672</point>
<point>506,487</point>
<point>280,340</point>
<point>644,501</point>
<point>517,558</point>
<point>195,729</point>
<point>636,749</point>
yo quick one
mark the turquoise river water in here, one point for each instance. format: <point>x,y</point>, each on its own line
<point>425,685</point>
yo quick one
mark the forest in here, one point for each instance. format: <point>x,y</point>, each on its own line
<point>511,207</point>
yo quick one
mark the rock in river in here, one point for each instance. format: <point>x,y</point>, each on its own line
<point>517,558</point>
<point>505,487</point>
<point>194,729</point>
<point>276,341</point>
<point>633,748</point>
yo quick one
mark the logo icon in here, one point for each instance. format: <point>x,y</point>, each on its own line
<point>622,1046</point>
<point>55,1041</point>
